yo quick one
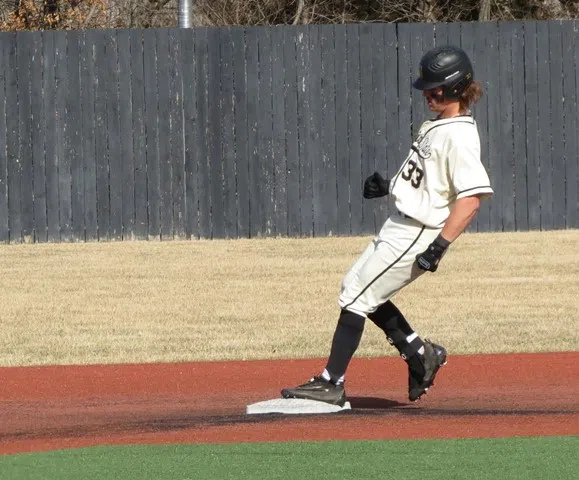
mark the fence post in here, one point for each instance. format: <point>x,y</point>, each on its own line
<point>185,13</point>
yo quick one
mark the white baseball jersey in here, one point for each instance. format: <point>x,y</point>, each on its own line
<point>443,165</point>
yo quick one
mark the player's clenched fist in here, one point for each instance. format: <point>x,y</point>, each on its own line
<point>375,186</point>
<point>430,258</point>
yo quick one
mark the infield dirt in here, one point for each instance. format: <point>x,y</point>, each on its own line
<point>47,408</point>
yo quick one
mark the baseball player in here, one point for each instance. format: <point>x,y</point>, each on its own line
<point>437,192</point>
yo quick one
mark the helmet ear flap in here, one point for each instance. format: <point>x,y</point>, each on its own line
<point>455,90</point>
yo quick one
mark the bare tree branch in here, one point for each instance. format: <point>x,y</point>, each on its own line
<point>484,14</point>
<point>75,14</point>
<point>299,12</point>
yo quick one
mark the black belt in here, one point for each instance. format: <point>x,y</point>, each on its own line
<point>403,215</point>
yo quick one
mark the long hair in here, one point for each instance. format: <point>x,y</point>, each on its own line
<point>470,96</point>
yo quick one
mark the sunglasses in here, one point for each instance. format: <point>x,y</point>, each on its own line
<point>433,94</point>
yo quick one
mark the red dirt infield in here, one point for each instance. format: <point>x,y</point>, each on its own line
<point>48,408</point>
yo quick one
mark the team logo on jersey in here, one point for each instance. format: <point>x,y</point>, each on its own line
<point>422,146</point>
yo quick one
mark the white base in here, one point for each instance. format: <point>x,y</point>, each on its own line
<point>294,406</point>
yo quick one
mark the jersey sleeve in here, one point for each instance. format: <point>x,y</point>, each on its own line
<point>467,174</point>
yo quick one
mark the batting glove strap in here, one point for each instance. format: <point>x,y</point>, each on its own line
<point>430,258</point>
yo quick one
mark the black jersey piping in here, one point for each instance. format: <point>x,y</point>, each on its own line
<point>386,269</point>
<point>473,188</point>
<point>426,133</point>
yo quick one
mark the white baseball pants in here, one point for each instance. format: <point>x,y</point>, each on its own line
<point>387,265</point>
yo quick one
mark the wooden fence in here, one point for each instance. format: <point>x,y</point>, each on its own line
<point>266,131</point>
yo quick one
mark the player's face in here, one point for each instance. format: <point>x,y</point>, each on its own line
<point>435,99</point>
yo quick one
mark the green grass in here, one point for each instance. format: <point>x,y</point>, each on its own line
<point>493,459</point>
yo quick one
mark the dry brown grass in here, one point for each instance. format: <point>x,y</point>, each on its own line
<point>274,298</point>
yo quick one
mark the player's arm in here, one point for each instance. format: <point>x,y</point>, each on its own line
<point>463,212</point>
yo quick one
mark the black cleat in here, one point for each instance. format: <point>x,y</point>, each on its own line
<point>318,389</point>
<point>419,382</point>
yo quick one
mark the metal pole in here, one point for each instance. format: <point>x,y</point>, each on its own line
<point>185,13</point>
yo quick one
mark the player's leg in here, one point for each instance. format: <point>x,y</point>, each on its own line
<point>398,331</point>
<point>366,285</point>
<point>424,358</point>
<point>329,385</point>
<point>359,295</point>
<point>348,330</point>
<point>385,272</point>
<point>386,267</point>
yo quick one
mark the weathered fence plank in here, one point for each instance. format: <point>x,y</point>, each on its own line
<point>62,140</point>
<point>492,90</point>
<point>152,135</point>
<point>37,138</point>
<point>440,34</point>
<point>202,151</point>
<point>570,58</point>
<point>532,126</point>
<point>24,41</point>
<point>422,40</point>
<point>394,149</point>
<point>244,132</point>
<point>13,143</point>
<point>558,125</point>
<point>242,153</point>
<point>327,166</point>
<point>54,112</point>
<point>342,134</point>
<point>72,184</point>
<point>279,145</point>
<point>544,127</point>
<point>454,34</point>
<point>264,172</point>
<point>291,127</point>
<point>5,52</point>
<point>304,106</point>
<point>227,141</point>
<point>519,128</point>
<point>176,158</point>
<point>368,65</point>
<point>164,132</point>
<point>139,138</point>
<point>256,212</point>
<point>505,137</point>
<point>467,44</point>
<point>214,118</point>
<point>480,113</point>
<point>90,137</point>
<point>405,70</point>
<point>190,133</point>
<point>102,205</point>
<point>381,86</point>
<point>126,152</point>
<point>315,148</point>
<point>356,176</point>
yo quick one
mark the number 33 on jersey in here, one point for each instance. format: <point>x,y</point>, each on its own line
<point>442,166</point>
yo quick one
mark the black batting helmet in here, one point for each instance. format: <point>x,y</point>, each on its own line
<point>447,67</point>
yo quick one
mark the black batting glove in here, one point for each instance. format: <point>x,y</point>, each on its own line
<point>376,186</point>
<point>430,258</point>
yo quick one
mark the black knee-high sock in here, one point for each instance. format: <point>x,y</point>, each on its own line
<point>344,344</point>
<point>397,329</point>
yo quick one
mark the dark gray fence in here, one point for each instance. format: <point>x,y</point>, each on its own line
<point>245,132</point>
